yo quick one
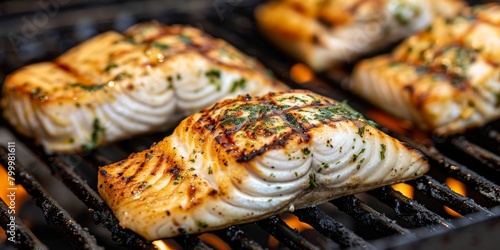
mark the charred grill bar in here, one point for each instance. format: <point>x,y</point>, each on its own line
<point>472,158</point>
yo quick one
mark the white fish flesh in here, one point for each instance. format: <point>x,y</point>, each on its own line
<point>444,79</point>
<point>114,86</point>
<point>248,158</point>
<point>324,33</point>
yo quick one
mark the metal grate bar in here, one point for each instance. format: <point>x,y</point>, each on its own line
<point>237,239</point>
<point>24,238</point>
<point>191,242</point>
<point>54,213</point>
<point>483,156</point>
<point>367,215</point>
<point>407,209</point>
<point>488,189</point>
<point>282,232</point>
<point>331,229</point>
<point>100,211</point>
<point>446,196</point>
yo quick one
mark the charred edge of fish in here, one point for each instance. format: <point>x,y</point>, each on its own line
<point>103,172</point>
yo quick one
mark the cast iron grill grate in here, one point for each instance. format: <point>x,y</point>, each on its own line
<point>472,158</point>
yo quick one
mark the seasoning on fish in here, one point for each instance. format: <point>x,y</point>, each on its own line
<point>248,158</point>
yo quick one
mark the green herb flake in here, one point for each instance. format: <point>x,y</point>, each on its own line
<point>210,170</point>
<point>361,131</point>
<point>149,156</point>
<point>97,132</point>
<point>89,88</point>
<point>214,78</point>
<point>306,151</point>
<point>110,67</point>
<point>240,83</point>
<point>121,76</point>
<point>201,224</point>
<point>312,180</point>
<point>185,39</point>
<point>160,46</point>
<point>355,156</point>
<point>382,151</point>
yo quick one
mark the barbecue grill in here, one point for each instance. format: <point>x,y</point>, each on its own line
<point>379,219</point>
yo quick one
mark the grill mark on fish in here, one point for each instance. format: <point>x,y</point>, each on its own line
<point>273,109</point>
<point>158,164</point>
<point>141,167</point>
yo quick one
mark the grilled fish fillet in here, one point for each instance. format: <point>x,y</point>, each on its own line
<point>247,158</point>
<point>444,79</point>
<point>323,33</point>
<point>115,86</point>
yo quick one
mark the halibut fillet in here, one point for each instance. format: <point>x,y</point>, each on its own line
<point>115,86</point>
<point>445,79</point>
<point>248,158</point>
<point>323,33</point>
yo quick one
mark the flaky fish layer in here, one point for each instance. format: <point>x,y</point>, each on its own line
<point>323,33</point>
<point>444,79</point>
<point>247,158</point>
<point>115,86</point>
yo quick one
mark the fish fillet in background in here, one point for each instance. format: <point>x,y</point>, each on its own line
<point>444,79</point>
<point>248,158</point>
<point>323,33</point>
<point>115,86</point>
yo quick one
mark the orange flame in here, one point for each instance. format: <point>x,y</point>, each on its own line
<point>293,222</point>
<point>20,193</point>
<point>386,120</point>
<point>166,245</point>
<point>20,196</point>
<point>459,188</point>
<point>214,241</point>
<point>405,189</point>
<point>300,73</point>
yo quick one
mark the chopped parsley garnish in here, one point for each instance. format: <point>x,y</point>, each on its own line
<point>122,75</point>
<point>97,132</point>
<point>110,66</point>
<point>312,180</point>
<point>149,156</point>
<point>210,170</point>
<point>201,224</point>
<point>214,78</point>
<point>306,151</point>
<point>361,131</point>
<point>89,88</point>
<point>160,46</point>
<point>382,151</point>
<point>355,156</point>
<point>241,83</point>
<point>185,39</point>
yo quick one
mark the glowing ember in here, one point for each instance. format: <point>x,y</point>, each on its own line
<point>166,245</point>
<point>20,196</point>
<point>214,241</point>
<point>386,120</point>
<point>459,188</point>
<point>405,189</point>
<point>5,194</point>
<point>300,73</point>
<point>293,222</point>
